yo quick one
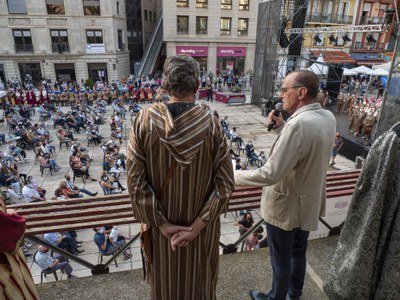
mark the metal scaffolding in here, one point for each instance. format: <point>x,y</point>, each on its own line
<point>340,29</point>
<point>274,54</point>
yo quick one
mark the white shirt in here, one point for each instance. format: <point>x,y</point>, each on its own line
<point>114,233</point>
<point>41,131</point>
<point>29,192</point>
<point>233,134</point>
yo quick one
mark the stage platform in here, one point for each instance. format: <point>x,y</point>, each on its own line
<point>230,98</point>
<point>353,145</point>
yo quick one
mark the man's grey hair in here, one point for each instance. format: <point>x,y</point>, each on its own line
<point>181,75</point>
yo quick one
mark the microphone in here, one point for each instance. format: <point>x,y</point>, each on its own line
<point>278,110</point>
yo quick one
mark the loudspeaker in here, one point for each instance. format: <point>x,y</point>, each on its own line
<point>351,149</point>
<point>334,79</point>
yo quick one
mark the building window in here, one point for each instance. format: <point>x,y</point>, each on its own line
<point>243,4</point>
<point>22,40</point>
<point>243,25</point>
<point>226,4</point>
<point>16,6</point>
<point>55,7</point>
<point>225,26</point>
<point>201,3</point>
<point>201,25</point>
<point>182,3</point>
<point>146,15</point>
<point>183,24</point>
<point>91,8</point>
<point>154,17</point>
<point>150,16</point>
<point>117,7</point>
<point>94,36</point>
<point>59,40</point>
<point>121,45</point>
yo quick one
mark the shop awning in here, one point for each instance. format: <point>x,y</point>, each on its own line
<point>369,62</point>
<point>335,57</point>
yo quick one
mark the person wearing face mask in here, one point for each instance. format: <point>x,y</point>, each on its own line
<point>75,188</point>
<point>110,187</point>
<point>30,193</point>
<point>245,223</point>
<point>105,245</point>
<point>49,264</point>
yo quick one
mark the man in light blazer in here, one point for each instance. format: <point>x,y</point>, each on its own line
<point>293,181</point>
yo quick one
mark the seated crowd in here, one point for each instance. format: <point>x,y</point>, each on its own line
<point>83,118</point>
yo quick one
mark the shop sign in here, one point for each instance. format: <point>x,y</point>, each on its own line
<point>192,50</point>
<point>95,48</point>
<point>231,51</point>
<point>366,56</point>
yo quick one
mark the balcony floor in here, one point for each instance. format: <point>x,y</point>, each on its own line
<point>238,273</point>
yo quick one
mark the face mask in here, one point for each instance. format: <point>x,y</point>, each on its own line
<point>105,178</point>
<point>101,230</point>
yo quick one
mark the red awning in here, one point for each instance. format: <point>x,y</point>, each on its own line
<point>335,57</point>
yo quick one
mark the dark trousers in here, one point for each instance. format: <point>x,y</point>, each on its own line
<point>62,265</point>
<point>209,96</point>
<point>288,259</point>
<point>68,244</point>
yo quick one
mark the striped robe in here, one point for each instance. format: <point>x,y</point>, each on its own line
<point>16,281</point>
<point>200,187</point>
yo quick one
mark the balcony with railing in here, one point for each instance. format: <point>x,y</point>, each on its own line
<point>389,47</point>
<point>373,47</point>
<point>60,47</point>
<point>23,48</point>
<point>322,18</point>
<point>370,20</point>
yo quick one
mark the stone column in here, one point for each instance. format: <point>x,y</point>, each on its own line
<point>212,58</point>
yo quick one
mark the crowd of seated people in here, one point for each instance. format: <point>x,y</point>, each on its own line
<point>118,108</point>
<point>116,126</point>
<point>10,183</point>
<point>46,162</point>
<point>64,240</point>
<point>110,185</point>
<point>46,148</point>
<point>80,166</point>
<point>251,157</point>
<point>93,133</point>
<point>32,192</point>
<point>112,153</point>
<point>109,240</point>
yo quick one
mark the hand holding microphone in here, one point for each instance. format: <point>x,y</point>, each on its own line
<point>274,118</point>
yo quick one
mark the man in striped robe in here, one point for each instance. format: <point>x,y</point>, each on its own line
<point>187,219</point>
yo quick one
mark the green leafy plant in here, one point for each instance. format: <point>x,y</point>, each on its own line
<point>89,83</point>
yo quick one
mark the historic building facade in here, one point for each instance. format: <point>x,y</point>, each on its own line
<point>66,39</point>
<point>220,35</point>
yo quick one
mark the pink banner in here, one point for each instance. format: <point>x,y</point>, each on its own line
<point>231,51</point>
<point>192,50</point>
